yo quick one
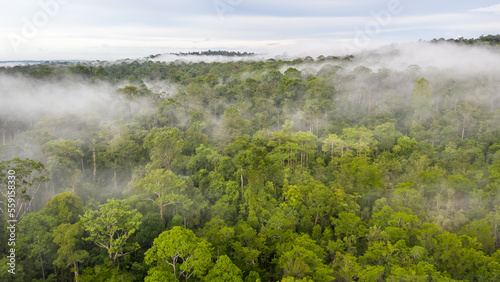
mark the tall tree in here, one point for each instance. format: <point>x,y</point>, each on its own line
<point>421,101</point>
<point>35,241</point>
<point>165,145</point>
<point>67,237</point>
<point>63,158</point>
<point>20,182</point>
<point>303,258</point>
<point>166,187</point>
<point>111,227</point>
<point>65,208</point>
<point>224,271</point>
<point>184,253</point>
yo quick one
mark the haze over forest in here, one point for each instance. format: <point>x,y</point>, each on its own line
<point>378,165</point>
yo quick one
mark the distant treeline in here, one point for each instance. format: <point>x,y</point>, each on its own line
<point>489,39</point>
<point>211,53</point>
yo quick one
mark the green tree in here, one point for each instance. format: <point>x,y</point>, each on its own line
<point>481,230</point>
<point>467,115</point>
<point>224,270</point>
<point>360,139</point>
<point>63,158</point>
<point>6,276</point>
<point>233,125</point>
<point>184,253</point>
<point>421,101</point>
<point>346,266</point>
<point>26,177</point>
<point>169,113</point>
<point>248,246</point>
<point>303,258</point>
<point>315,201</point>
<point>131,95</point>
<point>67,237</point>
<point>111,227</point>
<point>386,136</point>
<point>166,187</point>
<point>35,242</point>
<point>349,228</point>
<point>333,144</point>
<point>120,153</point>
<point>218,234</point>
<point>165,145</point>
<point>64,208</point>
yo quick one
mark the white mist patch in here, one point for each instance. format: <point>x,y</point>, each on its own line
<point>447,57</point>
<point>24,98</point>
<point>163,88</point>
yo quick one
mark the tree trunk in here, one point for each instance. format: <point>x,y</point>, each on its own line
<point>50,188</point>
<point>278,122</point>
<point>241,169</point>
<point>111,246</point>
<point>317,128</point>
<point>75,264</point>
<point>302,152</point>
<point>369,100</point>
<point>73,186</point>
<point>320,173</point>
<point>94,158</point>
<point>175,270</point>
<point>114,179</point>
<point>41,262</point>
<point>496,235</point>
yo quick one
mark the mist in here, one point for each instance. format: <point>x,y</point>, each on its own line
<point>27,98</point>
<point>367,84</point>
<point>400,64</point>
<point>387,70</point>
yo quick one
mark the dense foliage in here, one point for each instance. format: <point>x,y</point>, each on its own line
<point>306,170</point>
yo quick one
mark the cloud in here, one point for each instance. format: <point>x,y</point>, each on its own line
<point>130,29</point>
<point>491,9</point>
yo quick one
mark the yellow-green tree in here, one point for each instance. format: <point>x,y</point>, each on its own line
<point>111,227</point>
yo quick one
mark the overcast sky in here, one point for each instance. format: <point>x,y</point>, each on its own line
<point>112,29</point>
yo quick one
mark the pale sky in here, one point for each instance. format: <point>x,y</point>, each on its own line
<point>112,29</point>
